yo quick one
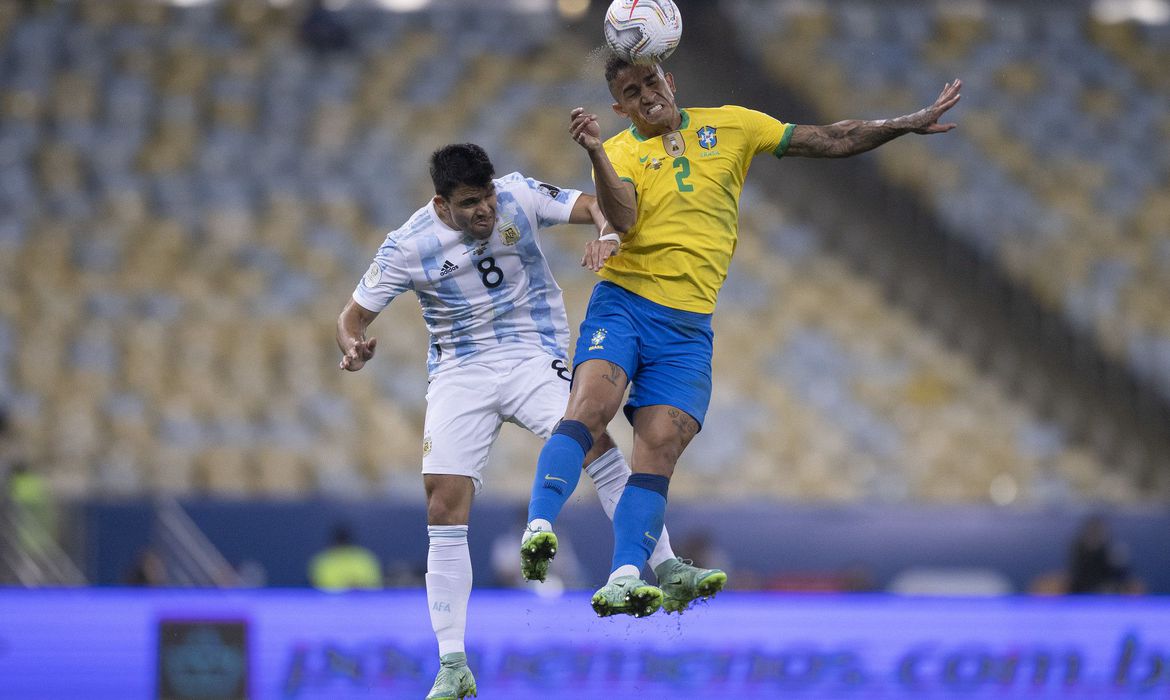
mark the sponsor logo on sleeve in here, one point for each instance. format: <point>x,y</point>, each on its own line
<point>373,276</point>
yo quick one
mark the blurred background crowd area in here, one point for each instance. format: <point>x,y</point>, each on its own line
<point>190,190</point>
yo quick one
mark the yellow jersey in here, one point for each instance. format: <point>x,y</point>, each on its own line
<point>688,184</point>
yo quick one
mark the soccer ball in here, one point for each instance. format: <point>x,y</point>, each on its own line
<point>643,31</point>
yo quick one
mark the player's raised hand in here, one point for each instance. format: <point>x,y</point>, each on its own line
<point>597,252</point>
<point>584,129</point>
<point>359,352</point>
<point>948,98</point>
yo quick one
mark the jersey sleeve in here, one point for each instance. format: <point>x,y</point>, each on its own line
<point>765,133</point>
<point>624,161</point>
<point>553,205</point>
<point>386,278</point>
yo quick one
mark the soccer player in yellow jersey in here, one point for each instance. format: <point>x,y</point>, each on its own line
<point>671,182</point>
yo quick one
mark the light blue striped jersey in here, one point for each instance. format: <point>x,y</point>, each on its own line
<point>492,295</point>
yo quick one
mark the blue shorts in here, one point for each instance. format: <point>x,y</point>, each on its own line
<point>665,352</point>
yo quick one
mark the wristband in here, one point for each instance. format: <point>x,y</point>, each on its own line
<point>611,236</point>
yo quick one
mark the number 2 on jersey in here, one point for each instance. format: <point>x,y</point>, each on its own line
<point>684,171</point>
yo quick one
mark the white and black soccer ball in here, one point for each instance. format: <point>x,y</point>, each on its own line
<point>643,31</point>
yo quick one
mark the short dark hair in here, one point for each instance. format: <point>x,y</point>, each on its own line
<point>614,64</point>
<point>460,164</point>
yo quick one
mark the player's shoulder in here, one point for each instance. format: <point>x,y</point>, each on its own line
<point>714,114</point>
<point>746,114</point>
<point>735,121</point>
<point>623,143</point>
<point>626,135</point>
<point>518,182</point>
<point>419,222</point>
<point>512,180</point>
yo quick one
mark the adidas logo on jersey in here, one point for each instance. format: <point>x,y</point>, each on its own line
<point>448,268</point>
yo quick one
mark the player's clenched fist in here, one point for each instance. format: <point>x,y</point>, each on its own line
<point>584,129</point>
<point>357,354</point>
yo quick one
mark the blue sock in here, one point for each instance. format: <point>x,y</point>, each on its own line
<point>637,520</point>
<point>558,469</point>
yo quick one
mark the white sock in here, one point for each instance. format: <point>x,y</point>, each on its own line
<point>448,584</point>
<point>540,524</point>
<point>609,473</point>
<point>624,570</point>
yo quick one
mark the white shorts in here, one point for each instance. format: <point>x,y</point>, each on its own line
<point>467,405</point>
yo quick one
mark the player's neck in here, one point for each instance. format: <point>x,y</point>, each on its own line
<point>649,131</point>
<point>444,216</point>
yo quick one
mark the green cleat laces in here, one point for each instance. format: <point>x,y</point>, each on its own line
<point>536,552</point>
<point>627,595</point>
<point>454,681</point>
<point>682,584</point>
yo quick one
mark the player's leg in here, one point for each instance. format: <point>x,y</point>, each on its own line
<point>607,467</point>
<point>660,435</point>
<point>597,392</point>
<point>667,405</point>
<point>603,363</point>
<point>461,423</point>
<point>682,583</point>
<point>535,397</point>
<point>449,580</point>
<point>680,580</point>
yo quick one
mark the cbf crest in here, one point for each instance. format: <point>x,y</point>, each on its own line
<point>707,138</point>
<point>509,233</point>
<point>595,342</point>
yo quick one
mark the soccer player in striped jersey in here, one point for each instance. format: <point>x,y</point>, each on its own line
<point>671,182</point>
<point>498,346</point>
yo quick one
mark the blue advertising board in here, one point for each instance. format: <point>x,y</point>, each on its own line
<point>122,644</point>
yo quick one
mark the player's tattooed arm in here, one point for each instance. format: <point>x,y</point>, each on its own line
<point>853,136</point>
<point>356,349</point>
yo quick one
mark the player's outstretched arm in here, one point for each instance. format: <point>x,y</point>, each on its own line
<point>351,336</point>
<point>853,136</point>
<point>616,196</point>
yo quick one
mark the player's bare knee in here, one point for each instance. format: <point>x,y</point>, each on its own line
<point>442,511</point>
<point>448,499</point>
<point>593,413</point>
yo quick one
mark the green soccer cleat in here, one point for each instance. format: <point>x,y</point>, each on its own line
<point>454,680</point>
<point>537,550</point>
<point>683,583</point>
<point>627,595</point>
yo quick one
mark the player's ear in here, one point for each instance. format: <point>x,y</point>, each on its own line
<point>617,109</point>
<point>669,78</point>
<point>439,202</point>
